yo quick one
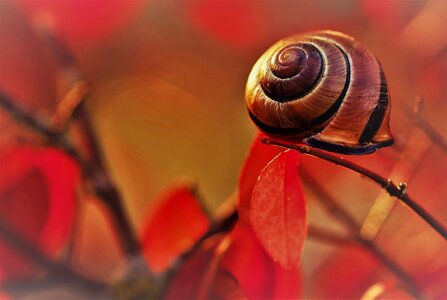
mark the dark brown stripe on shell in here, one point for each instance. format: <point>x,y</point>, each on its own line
<point>278,130</point>
<point>336,105</point>
<point>376,117</point>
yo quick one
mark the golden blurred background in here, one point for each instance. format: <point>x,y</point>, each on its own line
<point>168,103</point>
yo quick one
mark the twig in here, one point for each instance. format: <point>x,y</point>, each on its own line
<point>22,115</point>
<point>55,138</point>
<point>398,191</point>
<point>348,220</point>
<point>56,270</point>
<point>102,182</point>
<point>328,236</point>
<point>93,169</point>
<point>223,225</point>
<point>431,132</point>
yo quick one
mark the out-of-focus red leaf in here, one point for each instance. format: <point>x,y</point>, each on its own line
<point>258,157</point>
<point>82,21</point>
<point>257,273</point>
<point>249,263</point>
<point>37,200</point>
<point>278,210</point>
<point>238,24</point>
<point>196,276</point>
<point>347,274</point>
<point>173,227</point>
<point>26,73</point>
<point>234,266</point>
<point>226,287</point>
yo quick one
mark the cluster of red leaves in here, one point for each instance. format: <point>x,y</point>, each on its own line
<point>258,258</point>
<point>38,186</point>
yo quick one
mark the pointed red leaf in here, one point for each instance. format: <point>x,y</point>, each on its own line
<point>37,200</point>
<point>234,266</point>
<point>226,287</point>
<point>259,276</point>
<point>194,279</point>
<point>249,263</point>
<point>278,210</point>
<point>258,157</point>
<point>173,227</point>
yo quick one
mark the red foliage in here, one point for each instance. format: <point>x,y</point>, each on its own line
<point>278,210</point>
<point>258,274</point>
<point>258,157</point>
<point>236,260</point>
<point>173,227</point>
<point>82,21</point>
<point>37,200</point>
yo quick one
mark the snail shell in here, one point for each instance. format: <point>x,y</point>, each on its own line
<point>324,89</point>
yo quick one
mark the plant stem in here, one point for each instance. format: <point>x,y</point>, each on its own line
<point>55,138</point>
<point>223,225</point>
<point>103,184</point>
<point>422,124</point>
<point>93,169</point>
<point>398,191</point>
<point>61,272</point>
<point>107,191</point>
<point>321,234</point>
<point>348,220</point>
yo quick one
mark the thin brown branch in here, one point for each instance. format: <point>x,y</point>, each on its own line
<point>436,137</point>
<point>398,191</point>
<point>54,270</point>
<point>54,138</point>
<point>92,169</point>
<point>327,236</point>
<point>341,214</point>
<point>102,183</point>
<point>20,114</point>
<point>220,226</point>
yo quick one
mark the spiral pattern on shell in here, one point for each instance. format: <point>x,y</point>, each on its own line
<point>322,88</point>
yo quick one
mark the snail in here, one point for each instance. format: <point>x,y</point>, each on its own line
<point>324,89</point>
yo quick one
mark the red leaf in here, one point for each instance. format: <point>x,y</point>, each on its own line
<point>249,263</point>
<point>173,227</point>
<point>259,276</point>
<point>37,200</point>
<point>195,278</point>
<point>234,266</point>
<point>226,287</point>
<point>258,157</point>
<point>278,210</point>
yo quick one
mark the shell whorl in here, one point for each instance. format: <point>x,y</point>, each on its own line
<point>322,88</point>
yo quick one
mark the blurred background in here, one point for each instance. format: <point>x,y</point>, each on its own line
<point>167,102</point>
